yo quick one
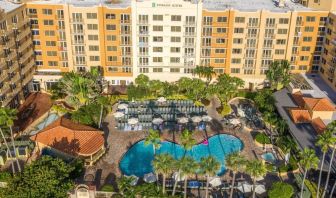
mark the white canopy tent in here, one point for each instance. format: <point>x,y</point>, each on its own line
<point>206,118</point>
<point>132,121</point>
<point>196,119</point>
<point>157,121</point>
<point>183,120</point>
<point>118,114</point>
<point>215,181</point>
<point>122,106</point>
<point>178,177</point>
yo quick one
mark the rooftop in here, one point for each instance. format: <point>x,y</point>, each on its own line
<point>8,6</point>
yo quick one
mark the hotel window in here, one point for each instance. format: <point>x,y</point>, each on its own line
<point>157,59</point>
<point>157,70</point>
<point>157,17</point>
<point>52,63</point>
<point>239,30</point>
<point>157,49</point>
<point>94,58</point>
<point>110,16</point>
<point>220,51</point>
<point>175,18</point>
<point>302,67</point>
<point>250,53</point>
<point>309,29</point>
<point>91,15</point>
<point>38,53</point>
<point>93,48</point>
<point>92,26</point>
<point>307,39</point>
<point>61,25</point>
<point>111,37</point>
<point>36,42</point>
<point>50,43</point>
<point>47,11</point>
<point>60,14</point>
<point>125,17</point>
<point>174,59</point>
<point>32,11</point>
<point>207,20</point>
<point>39,63</point>
<point>270,22</point>
<point>127,69</point>
<point>304,58</point>
<point>219,60</point>
<point>281,41</point>
<point>253,22</point>
<point>267,53</point>
<point>251,42</point>
<point>93,37</point>
<point>220,40</point>
<point>174,70</point>
<point>310,19</point>
<point>252,32</point>
<point>236,51</point>
<point>144,70</point>
<point>112,69</point>
<point>111,48</point>
<point>219,70</point>
<point>221,30</point>
<point>157,39</point>
<point>175,49</point>
<point>48,22</point>
<point>221,19</point>
<point>190,19</point>
<point>175,28</point>
<point>157,28</point>
<point>175,39</point>
<point>305,49</point>
<point>235,70</point>
<point>236,61</point>
<point>279,51</point>
<point>282,31</point>
<point>110,27</point>
<point>240,19</point>
<point>112,58</point>
<point>283,21</point>
<point>49,33</point>
<point>237,40</point>
<point>51,53</point>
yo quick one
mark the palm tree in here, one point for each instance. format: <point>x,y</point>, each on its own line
<point>332,190</point>
<point>235,162</point>
<point>153,138</point>
<point>7,117</point>
<point>187,141</point>
<point>199,70</point>
<point>279,74</point>
<point>331,127</point>
<point>7,147</point>
<point>103,101</point>
<point>163,164</point>
<point>255,169</point>
<point>188,168</point>
<point>208,73</point>
<point>308,160</point>
<point>324,141</point>
<point>209,166</point>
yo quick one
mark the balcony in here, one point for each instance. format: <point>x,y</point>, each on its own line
<point>189,55</point>
<point>16,78</point>
<point>75,31</point>
<point>333,42</point>
<point>23,34</point>
<point>27,79</point>
<point>189,33</point>
<point>143,64</point>
<point>270,25</point>
<point>76,20</point>
<point>28,66</point>
<point>126,53</point>
<point>189,23</point>
<point>78,42</point>
<point>26,56</point>
<point>143,32</point>
<point>189,44</point>
<point>125,21</point>
<point>143,22</point>
<point>11,56</point>
<point>252,24</point>
<point>21,23</point>
<point>25,45</point>
<point>143,53</point>
<point>13,67</point>
<point>207,23</point>
<point>143,44</point>
<point>3,76</point>
<point>252,35</point>
<point>126,43</point>
<point>125,32</point>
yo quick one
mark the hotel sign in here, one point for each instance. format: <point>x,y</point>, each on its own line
<point>166,5</point>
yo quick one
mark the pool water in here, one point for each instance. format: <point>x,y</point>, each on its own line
<point>269,157</point>
<point>138,159</point>
<point>48,120</point>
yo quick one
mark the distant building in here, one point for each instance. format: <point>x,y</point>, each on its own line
<point>67,140</point>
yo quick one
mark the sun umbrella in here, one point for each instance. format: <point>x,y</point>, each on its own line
<point>135,179</point>
<point>260,189</point>
<point>206,118</point>
<point>215,181</point>
<point>178,177</point>
<point>118,114</point>
<point>149,178</point>
<point>157,121</point>
<point>183,120</point>
<point>161,99</point>
<point>132,121</point>
<point>234,121</point>
<point>196,119</point>
<point>123,106</point>
<point>245,188</point>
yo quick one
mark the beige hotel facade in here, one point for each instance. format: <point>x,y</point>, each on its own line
<point>166,39</point>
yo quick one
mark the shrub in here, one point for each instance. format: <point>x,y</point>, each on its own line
<point>262,138</point>
<point>224,110</point>
<point>108,188</point>
<point>5,176</point>
<point>281,190</point>
<point>312,187</point>
<point>292,165</point>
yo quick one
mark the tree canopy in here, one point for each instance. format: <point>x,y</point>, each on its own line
<point>279,74</point>
<point>281,190</point>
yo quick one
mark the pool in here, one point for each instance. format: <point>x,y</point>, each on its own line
<point>269,157</point>
<point>48,120</point>
<point>138,159</point>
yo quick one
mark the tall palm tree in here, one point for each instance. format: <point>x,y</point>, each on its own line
<point>332,190</point>
<point>208,73</point>
<point>163,164</point>
<point>153,138</point>
<point>199,70</point>
<point>209,166</point>
<point>7,147</point>
<point>187,141</point>
<point>324,141</point>
<point>103,101</point>
<point>331,127</point>
<point>235,162</point>
<point>255,169</point>
<point>308,160</point>
<point>7,117</point>
<point>188,167</point>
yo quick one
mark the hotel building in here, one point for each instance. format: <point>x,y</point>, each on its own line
<point>17,61</point>
<point>166,39</point>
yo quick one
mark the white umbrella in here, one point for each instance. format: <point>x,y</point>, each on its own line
<point>118,114</point>
<point>183,120</point>
<point>132,121</point>
<point>134,181</point>
<point>206,118</point>
<point>215,181</point>
<point>260,178</point>
<point>161,99</point>
<point>196,119</point>
<point>234,121</point>
<point>178,177</point>
<point>260,189</point>
<point>157,121</point>
<point>123,106</point>
<point>149,178</point>
<point>245,188</point>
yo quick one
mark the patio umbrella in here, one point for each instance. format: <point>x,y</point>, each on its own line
<point>196,119</point>
<point>135,179</point>
<point>132,121</point>
<point>206,118</point>
<point>245,188</point>
<point>215,181</point>
<point>183,120</point>
<point>178,177</point>
<point>161,99</point>
<point>149,178</point>
<point>123,106</point>
<point>118,114</point>
<point>157,121</point>
<point>260,189</point>
<point>234,121</point>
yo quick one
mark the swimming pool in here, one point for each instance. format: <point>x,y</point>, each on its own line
<point>269,157</point>
<point>48,120</point>
<point>138,159</point>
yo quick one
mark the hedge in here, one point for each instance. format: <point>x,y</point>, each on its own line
<point>262,138</point>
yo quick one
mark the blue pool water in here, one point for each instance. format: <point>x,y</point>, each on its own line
<point>138,159</point>
<point>269,157</point>
<point>48,120</point>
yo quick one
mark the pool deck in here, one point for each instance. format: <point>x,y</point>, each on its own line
<point>120,141</point>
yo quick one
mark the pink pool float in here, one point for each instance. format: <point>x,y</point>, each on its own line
<point>205,142</point>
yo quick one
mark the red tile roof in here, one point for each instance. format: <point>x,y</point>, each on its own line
<point>319,104</point>
<point>71,138</point>
<point>298,98</point>
<point>300,115</point>
<point>318,125</point>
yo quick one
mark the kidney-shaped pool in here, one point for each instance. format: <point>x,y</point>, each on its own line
<point>138,159</point>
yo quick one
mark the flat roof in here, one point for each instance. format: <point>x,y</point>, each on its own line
<point>8,6</point>
<point>87,3</point>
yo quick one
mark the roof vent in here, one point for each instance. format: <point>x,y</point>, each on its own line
<point>281,3</point>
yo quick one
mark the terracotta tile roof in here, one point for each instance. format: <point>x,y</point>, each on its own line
<point>298,98</point>
<point>300,115</point>
<point>318,125</point>
<point>319,104</point>
<point>69,137</point>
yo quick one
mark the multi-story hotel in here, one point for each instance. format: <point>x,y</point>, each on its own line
<point>16,54</point>
<point>166,39</point>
